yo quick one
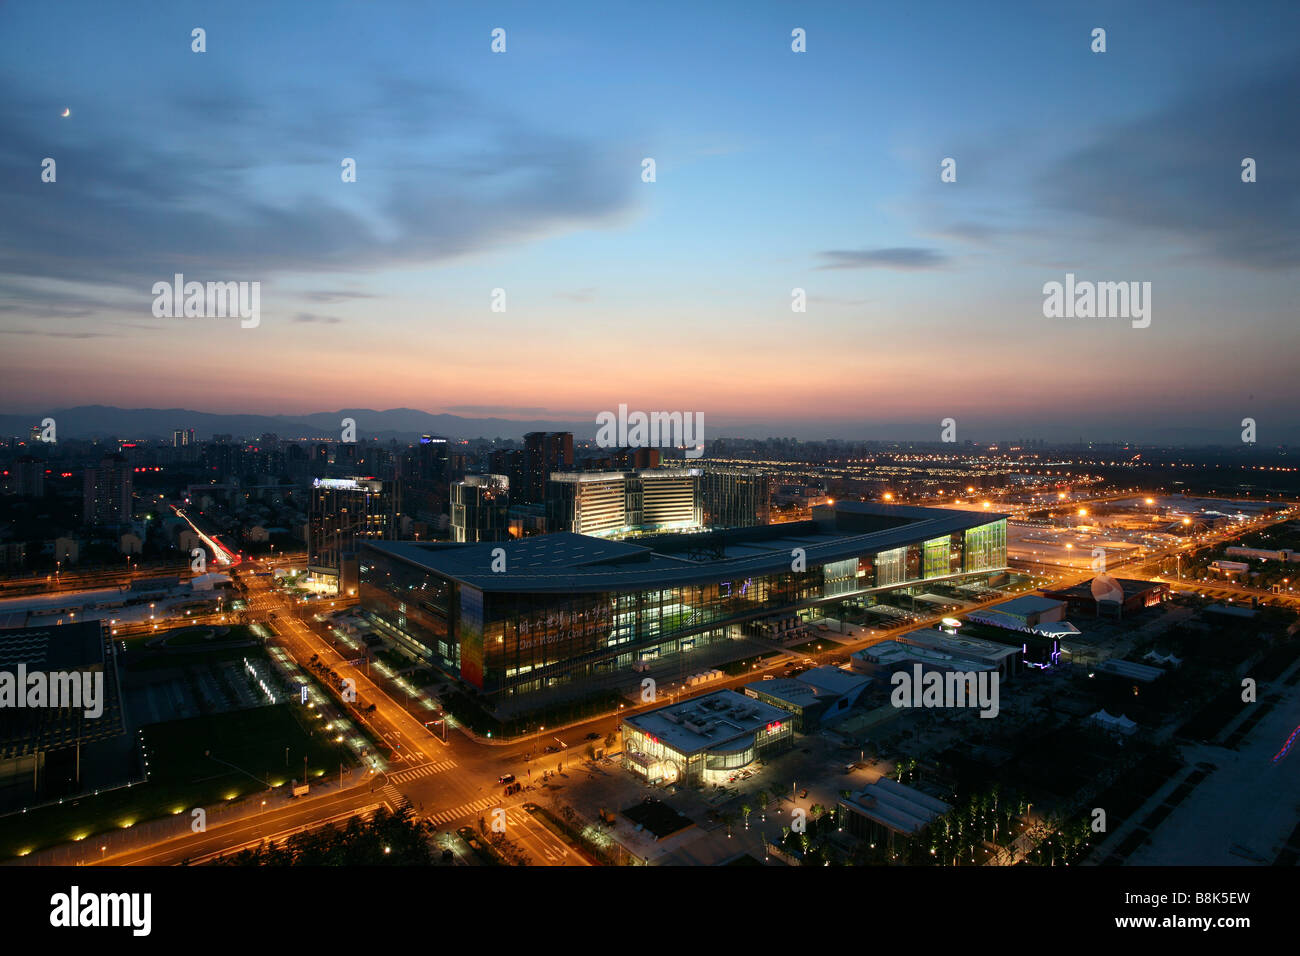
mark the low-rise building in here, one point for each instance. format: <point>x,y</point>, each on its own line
<point>813,696</point>
<point>703,739</point>
<point>1111,595</point>
<point>1029,610</point>
<point>889,656</point>
<point>44,747</point>
<point>1002,657</point>
<point>887,807</point>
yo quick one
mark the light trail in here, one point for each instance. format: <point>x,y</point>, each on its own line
<point>223,555</point>
<point>1286,747</point>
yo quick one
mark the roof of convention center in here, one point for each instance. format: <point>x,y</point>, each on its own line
<point>573,562</point>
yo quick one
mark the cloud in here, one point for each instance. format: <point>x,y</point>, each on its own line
<point>1176,174</point>
<point>45,333</point>
<point>335,295</point>
<point>131,207</point>
<point>313,317</point>
<point>900,258</point>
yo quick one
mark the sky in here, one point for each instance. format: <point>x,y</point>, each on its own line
<point>775,170</point>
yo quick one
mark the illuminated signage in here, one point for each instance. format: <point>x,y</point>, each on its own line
<point>337,484</point>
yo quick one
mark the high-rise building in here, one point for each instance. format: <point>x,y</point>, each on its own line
<point>544,453</point>
<point>29,476</point>
<point>425,478</point>
<point>345,511</point>
<point>480,509</point>
<point>107,492</point>
<point>182,437</point>
<point>509,462</point>
<point>610,504</point>
<point>733,497</point>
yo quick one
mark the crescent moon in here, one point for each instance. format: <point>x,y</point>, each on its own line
<point>67,112</point>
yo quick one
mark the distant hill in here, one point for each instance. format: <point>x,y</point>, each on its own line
<point>106,421</point>
<point>405,424</point>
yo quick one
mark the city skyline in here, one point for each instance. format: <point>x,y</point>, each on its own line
<point>775,171</point>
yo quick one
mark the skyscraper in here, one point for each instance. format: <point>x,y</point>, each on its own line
<point>545,452</point>
<point>107,492</point>
<point>29,476</point>
<point>480,508</point>
<point>344,511</point>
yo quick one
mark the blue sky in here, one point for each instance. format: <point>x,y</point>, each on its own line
<point>775,170</point>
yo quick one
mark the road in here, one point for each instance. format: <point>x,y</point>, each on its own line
<point>455,783</point>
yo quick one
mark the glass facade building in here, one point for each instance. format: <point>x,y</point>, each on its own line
<point>480,509</point>
<point>569,609</point>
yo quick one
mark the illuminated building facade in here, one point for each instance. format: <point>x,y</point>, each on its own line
<point>480,509</point>
<point>578,611</point>
<point>344,512</point>
<point>610,504</point>
<point>704,739</point>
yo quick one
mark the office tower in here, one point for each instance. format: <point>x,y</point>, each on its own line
<point>431,457</point>
<point>733,497</point>
<point>107,492</point>
<point>509,462</point>
<point>29,476</point>
<point>182,437</point>
<point>344,511</point>
<point>480,506</point>
<point>544,453</point>
<point>425,478</point>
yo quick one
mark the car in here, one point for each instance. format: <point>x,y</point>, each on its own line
<point>507,778</point>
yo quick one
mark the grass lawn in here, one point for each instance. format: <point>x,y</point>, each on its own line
<point>182,777</point>
<point>215,634</point>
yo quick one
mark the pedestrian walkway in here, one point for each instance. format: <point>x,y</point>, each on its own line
<point>415,773</point>
<point>395,797</point>
<point>446,816</point>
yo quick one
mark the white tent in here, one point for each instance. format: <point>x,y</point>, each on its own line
<point>1120,724</point>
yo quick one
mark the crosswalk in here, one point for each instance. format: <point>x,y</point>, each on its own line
<point>446,816</point>
<point>395,798</point>
<point>415,773</point>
